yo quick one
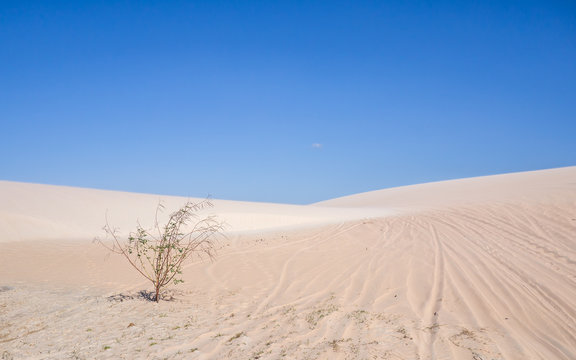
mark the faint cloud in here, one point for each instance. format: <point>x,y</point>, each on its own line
<point>317,146</point>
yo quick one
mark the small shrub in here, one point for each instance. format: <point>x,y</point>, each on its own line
<point>158,253</point>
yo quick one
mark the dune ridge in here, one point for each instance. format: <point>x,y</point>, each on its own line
<point>481,268</point>
<point>37,212</point>
<point>529,185</point>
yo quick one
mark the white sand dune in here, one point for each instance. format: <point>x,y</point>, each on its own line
<point>481,268</point>
<point>525,186</point>
<point>40,212</point>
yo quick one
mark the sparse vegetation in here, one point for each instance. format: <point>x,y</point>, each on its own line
<point>359,316</point>
<point>315,316</point>
<point>334,345</point>
<point>402,331</point>
<point>257,354</point>
<point>236,336</point>
<point>288,310</point>
<point>158,253</point>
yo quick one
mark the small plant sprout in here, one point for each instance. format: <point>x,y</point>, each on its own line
<point>159,253</point>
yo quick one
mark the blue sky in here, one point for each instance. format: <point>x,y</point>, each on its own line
<point>283,101</point>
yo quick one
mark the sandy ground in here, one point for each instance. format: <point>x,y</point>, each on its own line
<point>481,268</point>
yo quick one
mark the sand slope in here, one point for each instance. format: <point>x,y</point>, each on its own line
<point>480,268</point>
<point>40,212</point>
<point>525,186</point>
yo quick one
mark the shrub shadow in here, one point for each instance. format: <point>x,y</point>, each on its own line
<point>144,295</point>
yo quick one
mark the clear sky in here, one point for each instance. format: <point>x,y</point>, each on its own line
<point>283,101</point>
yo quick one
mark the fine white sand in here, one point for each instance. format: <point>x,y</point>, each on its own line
<point>481,268</point>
